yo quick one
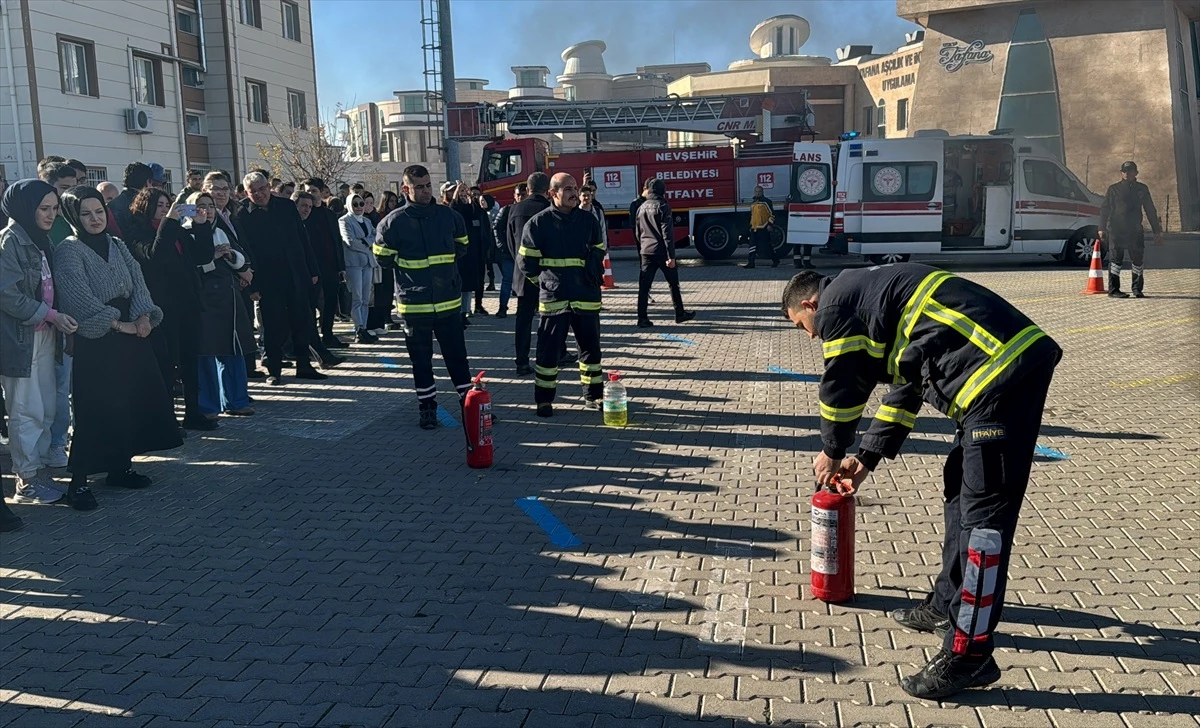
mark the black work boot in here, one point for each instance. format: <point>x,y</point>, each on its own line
<point>924,617</point>
<point>428,415</point>
<point>948,673</point>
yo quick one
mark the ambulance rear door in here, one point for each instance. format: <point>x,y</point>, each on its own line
<point>810,199</point>
<point>901,193</point>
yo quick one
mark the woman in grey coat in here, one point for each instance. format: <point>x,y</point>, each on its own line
<point>358,235</point>
<point>122,407</point>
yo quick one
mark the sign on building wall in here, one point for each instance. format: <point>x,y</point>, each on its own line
<point>953,56</point>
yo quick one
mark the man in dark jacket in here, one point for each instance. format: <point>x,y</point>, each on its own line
<point>562,252</point>
<point>138,177</point>
<point>525,290</point>
<point>504,255</point>
<point>1121,226</point>
<point>284,271</point>
<point>326,241</point>
<point>637,203</point>
<point>952,343</point>
<point>425,241</point>
<point>655,232</point>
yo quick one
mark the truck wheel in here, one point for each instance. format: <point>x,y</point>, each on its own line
<point>887,258</point>
<point>1078,250</point>
<point>717,239</point>
<point>779,241</point>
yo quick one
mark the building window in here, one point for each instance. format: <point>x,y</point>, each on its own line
<point>384,142</point>
<point>192,77</point>
<point>148,81</point>
<point>528,79</point>
<point>96,175</point>
<point>881,119</point>
<point>252,13</point>
<point>569,93</point>
<point>364,134</point>
<point>195,123</point>
<point>297,110</point>
<point>77,67</point>
<point>256,102</point>
<point>1029,94</point>
<point>414,104</point>
<point>868,120</point>
<point>187,22</point>
<point>168,187</point>
<point>778,49</point>
<point>901,114</point>
<point>291,21</point>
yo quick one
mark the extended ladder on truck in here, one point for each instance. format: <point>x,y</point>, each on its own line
<point>733,115</point>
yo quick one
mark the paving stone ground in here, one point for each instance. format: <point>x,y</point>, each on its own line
<point>327,563</point>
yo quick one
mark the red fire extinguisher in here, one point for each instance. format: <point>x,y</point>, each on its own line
<point>832,548</point>
<point>477,422</point>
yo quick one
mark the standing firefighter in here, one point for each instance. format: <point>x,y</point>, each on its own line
<point>1121,225</point>
<point>956,345</point>
<point>762,215</point>
<point>423,241</point>
<point>562,253</point>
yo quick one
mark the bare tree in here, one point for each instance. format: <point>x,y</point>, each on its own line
<point>298,154</point>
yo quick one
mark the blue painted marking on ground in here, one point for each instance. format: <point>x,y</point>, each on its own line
<point>390,363</point>
<point>794,375</point>
<point>445,419</point>
<point>680,339</point>
<point>1049,452</point>
<point>558,532</point>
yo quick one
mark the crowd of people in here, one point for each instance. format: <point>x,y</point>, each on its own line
<point>115,301</point>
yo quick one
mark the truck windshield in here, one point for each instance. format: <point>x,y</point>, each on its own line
<point>502,163</point>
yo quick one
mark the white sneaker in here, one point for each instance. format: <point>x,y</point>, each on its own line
<point>35,491</point>
<point>58,457</point>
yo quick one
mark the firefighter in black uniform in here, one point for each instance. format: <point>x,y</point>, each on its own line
<point>952,343</point>
<point>562,253</point>
<point>423,242</point>
<point>1121,226</point>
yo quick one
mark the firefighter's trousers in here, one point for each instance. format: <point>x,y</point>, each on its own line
<point>984,482</point>
<point>418,339</point>
<point>552,336</point>
<point>1118,245</point>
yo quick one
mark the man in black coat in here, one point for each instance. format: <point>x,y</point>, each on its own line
<point>526,292</point>
<point>326,241</point>
<point>654,229</point>
<point>285,269</point>
<point>1121,227</point>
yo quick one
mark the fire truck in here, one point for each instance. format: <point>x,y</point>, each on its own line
<point>709,188</point>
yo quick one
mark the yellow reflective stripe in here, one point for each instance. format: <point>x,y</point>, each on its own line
<point>546,371</point>
<point>545,384</point>
<point>418,263</point>
<point>562,262</point>
<point>429,307</point>
<point>585,305</point>
<point>989,370</point>
<point>912,312</point>
<point>464,240</point>
<point>887,413</point>
<point>552,306</point>
<point>532,279</point>
<point>382,250</point>
<point>844,414</point>
<point>529,252</point>
<point>837,347</point>
<point>978,335</point>
<point>589,367</point>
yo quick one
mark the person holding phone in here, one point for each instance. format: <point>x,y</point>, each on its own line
<point>122,406</point>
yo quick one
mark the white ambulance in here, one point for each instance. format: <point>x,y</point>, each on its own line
<point>888,199</point>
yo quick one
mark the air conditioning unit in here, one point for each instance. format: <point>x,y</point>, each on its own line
<point>139,121</point>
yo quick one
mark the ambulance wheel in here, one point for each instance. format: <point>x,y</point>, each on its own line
<point>779,242</point>
<point>888,258</point>
<point>1078,251</point>
<point>717,239</point>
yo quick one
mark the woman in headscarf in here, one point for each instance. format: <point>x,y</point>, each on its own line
<point>31,338</point>
<point>122,407</point>
<point>224,335</point>
<point>169,255</point>
<point>358,235</point>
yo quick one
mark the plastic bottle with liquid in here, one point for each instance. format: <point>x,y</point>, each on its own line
<point>616,401</point>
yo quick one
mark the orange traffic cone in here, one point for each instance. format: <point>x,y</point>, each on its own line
<point>608,283</point>
<point>1095,282</point>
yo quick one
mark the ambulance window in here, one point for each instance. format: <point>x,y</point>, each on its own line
<point>899,181</point>
<point>501,164</point>
<point>1046,178</point>
<point>810,183</point>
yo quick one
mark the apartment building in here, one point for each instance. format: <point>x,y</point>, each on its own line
<point>184,83</point>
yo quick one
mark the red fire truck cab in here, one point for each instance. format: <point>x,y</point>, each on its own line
<point>709,188</point>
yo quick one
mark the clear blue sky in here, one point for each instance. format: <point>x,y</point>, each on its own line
<point>366,49</point>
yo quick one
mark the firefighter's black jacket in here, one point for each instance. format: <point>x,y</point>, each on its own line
<point>564,253</point>
<point>424,242</point>
<point>934,336</point>
<point>1121,212</point>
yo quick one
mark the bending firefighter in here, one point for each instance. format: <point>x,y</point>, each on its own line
<point>423,241</point>
<point>562,254</point>
<point>952,343</point>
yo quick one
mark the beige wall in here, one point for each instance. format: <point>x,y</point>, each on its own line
<point>1114,84</point>
<point>890,79</point>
